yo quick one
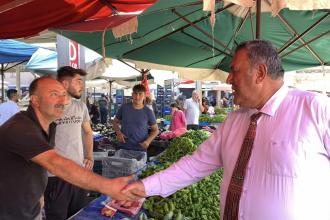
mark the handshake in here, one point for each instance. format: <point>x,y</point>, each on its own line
<point>125,190</point>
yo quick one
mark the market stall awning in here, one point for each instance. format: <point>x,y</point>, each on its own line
<point>13,53</point>
<point>44,61</point>
<point>24,18</point>
<point>179,33</point>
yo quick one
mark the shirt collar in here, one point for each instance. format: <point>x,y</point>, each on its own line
<point>273,103</point>
<point>31,114</point>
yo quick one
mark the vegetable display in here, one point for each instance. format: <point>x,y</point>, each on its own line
<point>212,119</point>
<point>103,129</point>
<point>199,201</point>
<point>220,116</point>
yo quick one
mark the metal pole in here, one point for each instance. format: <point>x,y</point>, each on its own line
<point>292,30</point>
<point>258,20</point>
<point>308,42</point>
<point>94,95</point>
<point>304,33</point>
<point>2,83</point>
<point>110,98</point>
<point>179,29</point>
<point>202,31</point>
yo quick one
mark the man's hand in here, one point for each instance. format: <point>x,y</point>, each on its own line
<point>88,163</point>
<point>145,144</point>
<point>196,98</point>
<point>120,136</point>
<point>135,190</point>
<point>115,189</point>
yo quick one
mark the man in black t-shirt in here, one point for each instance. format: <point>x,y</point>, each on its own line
<point>26,152</point>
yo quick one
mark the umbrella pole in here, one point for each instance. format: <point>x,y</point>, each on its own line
<point>258,20</point>
<point>94,94</point>
<point>2,83</point>
<point>110,98</point>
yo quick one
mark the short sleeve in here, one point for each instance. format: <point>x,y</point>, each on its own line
<point>151,117</point>
<point>86,116</point>
<point>25,139</point>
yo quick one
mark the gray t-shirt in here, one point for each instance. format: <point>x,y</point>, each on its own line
<point>68,138</point>
<point>135,124</point>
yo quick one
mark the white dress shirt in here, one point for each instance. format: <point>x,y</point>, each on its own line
<point>288,174</point>
<point>192,112</point>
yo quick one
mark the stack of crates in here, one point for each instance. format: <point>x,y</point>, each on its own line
<point>160,100</point>
<point>168,96</point>
<point>123,163</point>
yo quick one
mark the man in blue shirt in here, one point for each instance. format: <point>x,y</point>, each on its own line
<point>9,108</point>
<point>135,119</point>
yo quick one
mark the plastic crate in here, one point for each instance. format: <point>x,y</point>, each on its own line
<point>204,123</point>
<point>98,157</point>
<point>123,163</point>
<point>97,137</point>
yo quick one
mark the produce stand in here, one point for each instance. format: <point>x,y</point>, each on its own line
<point>196,202</point>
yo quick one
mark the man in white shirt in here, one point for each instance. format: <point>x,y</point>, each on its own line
<point>9,108</point>
<point>192,109</point>
<point>287,174</point>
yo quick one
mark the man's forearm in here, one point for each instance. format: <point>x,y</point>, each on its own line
<point>153,134</point>
<point>115,125</point>
<point>88,140</point>
<point>88,144</point>
<point>201,108</point>
<point>70,171</point>
<point>81,177</point>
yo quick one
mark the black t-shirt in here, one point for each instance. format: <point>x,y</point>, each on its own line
<point>22,182</point>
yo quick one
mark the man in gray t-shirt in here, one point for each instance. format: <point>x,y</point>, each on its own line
<point>61,198</point>
<point>135,119</point>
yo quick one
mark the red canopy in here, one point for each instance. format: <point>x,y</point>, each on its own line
<point>24,18</point>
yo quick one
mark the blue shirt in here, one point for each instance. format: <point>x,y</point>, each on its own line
<point>134,125</point>
<point>7,110</point>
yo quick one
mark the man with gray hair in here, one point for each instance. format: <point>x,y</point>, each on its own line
<point>275,150</point>
<point>192,109</point>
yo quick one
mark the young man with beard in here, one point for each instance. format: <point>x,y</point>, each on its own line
<point>73,140</point>
<point>26,152</point>
<point>275,150</point>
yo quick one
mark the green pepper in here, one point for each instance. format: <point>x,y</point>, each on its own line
<point>168,216</point>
